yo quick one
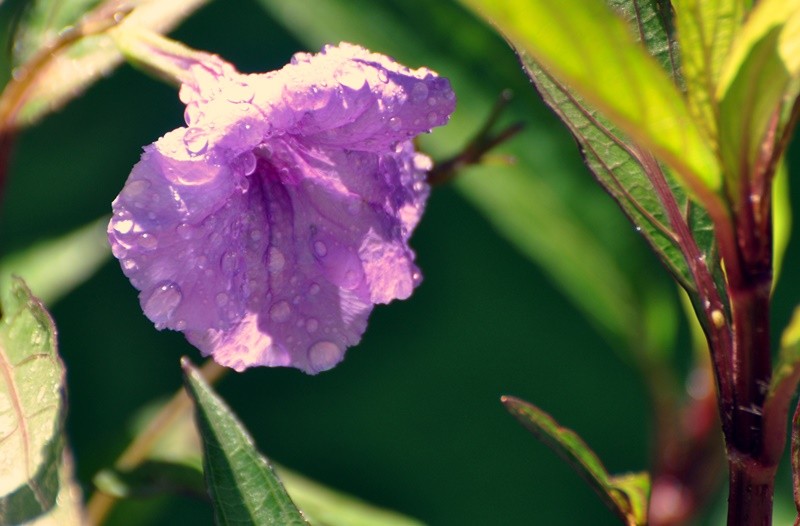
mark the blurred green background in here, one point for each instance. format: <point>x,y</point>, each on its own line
<point>411,420</point>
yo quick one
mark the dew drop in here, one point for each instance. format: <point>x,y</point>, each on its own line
<point>433,101</point>
<point>135,189</point>
<point>395,123</point>
<point>324,355</point>
<point>229,262</point>
<point>221,299</point>
<point>320,249</point>
<point>313,290</point>
<point>236,92</point>
<point>255,235</point>
<point>248,163</point>
<point>195,140</point>
<point>164,298</point>
<point>185,231</point>
<point>180,325</point>
<point>148,241</point>
<point>382,76</point>
<point>433,117</point>
<point>280,311</point>
<point>276,261</point>
<point>122,226</point>
<point>419,92</point>
<point>312,325</point>
<point>129,264</point>
<point>192,114</point>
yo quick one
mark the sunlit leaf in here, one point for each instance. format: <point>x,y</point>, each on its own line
<point>174,464</point>
<point>593,51</point>
<point>36,483</point>
<point>626,495</point>
<point>243,486</point>
<point>54,267</point>
<point>62,68</point>
<point>43,21</point>
<point>756,78</point>
<point>323,506</point>
<point>782,386</point>
<point>781,220</point>
<point>705,30</point>
<point>678,229</point>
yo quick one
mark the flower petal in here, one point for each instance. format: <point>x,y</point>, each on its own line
<point>268,228</point>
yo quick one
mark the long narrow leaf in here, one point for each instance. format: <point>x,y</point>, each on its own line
<point>243,486</point>
<point>626,495</point>
<point>54,267</point>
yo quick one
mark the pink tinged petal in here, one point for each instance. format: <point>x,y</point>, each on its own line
<point>268,228</point>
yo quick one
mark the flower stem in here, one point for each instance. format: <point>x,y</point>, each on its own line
<point>100,504</point>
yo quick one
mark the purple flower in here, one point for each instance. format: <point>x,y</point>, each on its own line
<point>268,227</point>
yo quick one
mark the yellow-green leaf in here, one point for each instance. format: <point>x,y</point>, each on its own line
<point>591,50</point>
<point>755,79</point>
<point>705,31</point>
<point>36,485</point>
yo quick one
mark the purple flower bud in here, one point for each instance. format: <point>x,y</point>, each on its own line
<point>267,228</point>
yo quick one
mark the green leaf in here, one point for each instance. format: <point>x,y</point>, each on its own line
<point>782,386</point>
<point>152,478</point>
<point>755,80</point>
<point>54,267</point>
<point>590,49</point>
<point>705,31</point>
<point>174,464</point>
<point>35,477</point>
<point>678,229</point>
<point>64,65</point>
<point>42,23</point>
<point>243,486</point>
<point>781,219</point>
<point>323,506</point>
<point>626,495</point>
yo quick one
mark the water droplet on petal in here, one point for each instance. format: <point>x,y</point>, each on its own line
<point>192,114</point>
<point>276,261</point>
<point>433,118</point>
<point>280,311</point>
<point>221,299</point>
<point>248,163</point>
<point>419,92</point>
<point>395,123</point>
<point>195,140</point>
<point>433,101</point>
<point>255,235</point>
<point>313,289</point>
<point>134,190</point>
<point>180,325</point>
<point>312,325</point>
<point>148,241</point>
<point>129,264</point>
<point>122,226</point>
<point>236,92</point>
<point>320,249</point>
<point>185,231</point>
<point>229,262</point>
<point>164,298</point>
<point>324,355</point>
<point>382,76</point>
